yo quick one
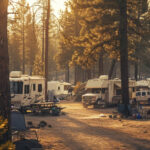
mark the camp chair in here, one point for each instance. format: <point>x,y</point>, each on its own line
<point>18,125</point>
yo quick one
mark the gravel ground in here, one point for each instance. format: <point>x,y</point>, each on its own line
<point>79,128</point>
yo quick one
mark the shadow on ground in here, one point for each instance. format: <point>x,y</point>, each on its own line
<point>101,132</point>
<point>27,144</point>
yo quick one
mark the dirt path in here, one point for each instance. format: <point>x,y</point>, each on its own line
<point>84,129</point>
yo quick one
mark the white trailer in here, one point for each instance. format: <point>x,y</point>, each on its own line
<point>58,89</point>
<point>103,91</point>
<point>142,92</point>
<point>25,89</point>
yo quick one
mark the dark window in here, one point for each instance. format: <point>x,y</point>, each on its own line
<point>16,87</point>
<point>26,89</point>
<point>34,87</point>
<point>143,93</point>
<point>118,92</point>
<point>148,93</point>
<point>103,91</point>
<point>39,87</point>
<point>138,94</point>
<point>66,87</point>
<point>58,88</point>
<point>96,90</point>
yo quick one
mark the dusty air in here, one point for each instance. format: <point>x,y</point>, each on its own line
<point>74,74</point>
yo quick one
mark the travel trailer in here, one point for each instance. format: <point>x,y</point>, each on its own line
<point>102,91</point>
<point>25,89</point>
<point>142,92</point>
<point>58,89</point>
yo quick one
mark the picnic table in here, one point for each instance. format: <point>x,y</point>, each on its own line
<point>45,108</point>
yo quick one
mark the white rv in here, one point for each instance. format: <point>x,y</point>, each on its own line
<point>59,89</point>
<point>142,92</point>
<point>26,89</point>
<point>102,91</point>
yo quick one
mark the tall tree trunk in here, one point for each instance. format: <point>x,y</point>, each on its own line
<point>23,47</point>
<point>88,72</point>
<point>101,67</point>
<point>75,74</point>
<point>83,75</point>
<point>43,35</point>
<point>4,68</point>
<point>136,71</point>
<point>47,47</point>
<point>67,74</point>
<point>124,54</point>
<point>113,63</point>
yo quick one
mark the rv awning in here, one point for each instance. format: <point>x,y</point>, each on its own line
<point>118,84</point>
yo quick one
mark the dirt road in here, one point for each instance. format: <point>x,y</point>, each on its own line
<point>84,129</point>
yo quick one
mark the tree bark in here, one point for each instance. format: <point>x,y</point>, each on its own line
<point>47,47</point>
<point>75,74</point>
<point>136,71</point>
<point>113,63</point>
<point>124,54</point>
<point>4,68</point>
<point>101,67</point>
<point>67,74</point>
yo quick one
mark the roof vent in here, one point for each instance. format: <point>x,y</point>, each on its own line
<point>104,77</point>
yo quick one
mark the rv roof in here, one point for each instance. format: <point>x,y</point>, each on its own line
<point>36,77</point>
<point>15,74</point>
<point>25,77</point>
<point>97,83</point>
<point>19,79</point>
<point>142,83</point>
<point>58,82</point>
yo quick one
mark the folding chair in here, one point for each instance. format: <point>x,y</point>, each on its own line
<point>18,126</point>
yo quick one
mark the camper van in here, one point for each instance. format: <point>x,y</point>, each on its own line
<point>58,89</point>
<point>102,91</point>
<point>25,89</point>
<point>142,92</point>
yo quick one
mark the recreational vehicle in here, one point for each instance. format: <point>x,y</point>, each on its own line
<point>102,91</point>
<point>142,92</point>
<point>25,89</point>
<point>58,89</point>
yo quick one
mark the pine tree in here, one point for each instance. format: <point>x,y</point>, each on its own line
<point>4,71</point>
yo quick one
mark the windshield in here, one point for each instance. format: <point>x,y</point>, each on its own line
<point>138,94</point>
<point>97,90</point>
<point>66,87</point>
<point>16,87</point>
<point>143,93</point>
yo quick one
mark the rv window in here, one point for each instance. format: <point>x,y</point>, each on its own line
<point>26,89</point>
<point>34,87</point>
<point>138,94</point>
<point>103,91</point>
<point>95,90</point>
<point>39,87</point>
<point>143,93</point>
<point>118,92</point>
<point>66,87</point>
<point>16,87</point>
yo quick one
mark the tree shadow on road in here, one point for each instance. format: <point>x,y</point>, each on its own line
<point>102,132</point>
